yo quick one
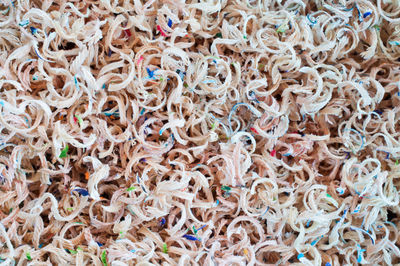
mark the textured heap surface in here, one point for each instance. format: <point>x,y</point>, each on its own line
<point>171,132</point>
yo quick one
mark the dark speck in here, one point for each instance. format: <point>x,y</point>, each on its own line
<point>391,215</point>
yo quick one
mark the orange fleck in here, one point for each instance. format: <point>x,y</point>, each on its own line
<point>87,175</point>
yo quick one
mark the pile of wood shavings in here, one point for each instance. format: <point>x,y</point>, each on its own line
<point>213,133</point>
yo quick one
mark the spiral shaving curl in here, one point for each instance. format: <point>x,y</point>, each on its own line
<point>171,132</point>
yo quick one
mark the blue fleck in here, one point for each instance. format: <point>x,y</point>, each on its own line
<point>189,237</point>
<point>41,245</point>
<point>201,227</point>
<point>1,103</point>
<point>150,73</point>
<point>312,22</point>
<point>308,223</point>
<point>169,23</point>
<point>33,30</point>
<point>100,244</point>
<point>162,221</point>
<point>301,255</point>
<point>76,83</point>
<point>82,191</point>
<point>132,250</point>
<point>109,52</point>
<point>142,112</point>
<point>104,86</point>
<point>359,259</point>
<point>328,264</point>
<point>366,14</point>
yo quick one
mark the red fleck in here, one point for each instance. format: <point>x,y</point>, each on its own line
<point>75,119</point>
<point>254,130</point>
<point>128,32</point>
<point>273,153</point>
<point>161,31</point>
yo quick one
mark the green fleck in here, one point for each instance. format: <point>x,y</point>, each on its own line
<point>213,126</point>
<point>376,27</point>
<point>194,230</point>
<point>28,256</point>
<point>218,35</point>
<point>78,248</point>
<point>104,258</point>
<point>225,188</point>
<point>80,121</point>
<point>244,36</point>
<point>24,23</point>
<point>274,198</point>
<point>185,85</point>
<point>72,251</point>
<point>161,79</point>
<point>79,222</point>
<point>70,209</point>
<point>282,28</point>
<point>11,210</point>
<point>165,248</point>
<point>397,162</point>
<point>329,196</point>
<point>131,188</point>
<point>64,152</point>
<point>261,66</point>
<point>34,77</point>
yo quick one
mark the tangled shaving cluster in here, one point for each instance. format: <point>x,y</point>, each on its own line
<point>214,133</point>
